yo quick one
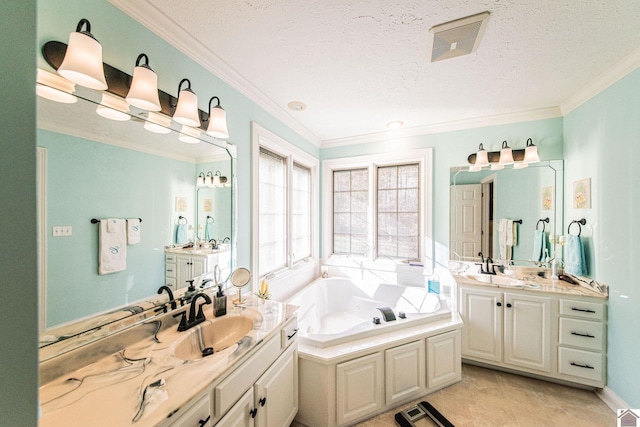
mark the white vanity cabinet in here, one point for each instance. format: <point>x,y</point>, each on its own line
<point>359,387</point>
<point>506,327</point>
<point>197,415</point>
<point>547,334</point>
<point>181,267</point>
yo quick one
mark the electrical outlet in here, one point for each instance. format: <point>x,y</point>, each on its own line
<point>62,231</point>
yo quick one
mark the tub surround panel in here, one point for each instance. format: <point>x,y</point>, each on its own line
<point>144,379</point>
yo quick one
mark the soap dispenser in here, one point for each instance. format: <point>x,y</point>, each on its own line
<point>220,302</point>
<point>190,292</point>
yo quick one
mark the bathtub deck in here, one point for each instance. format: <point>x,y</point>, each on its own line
<point>337,322</point>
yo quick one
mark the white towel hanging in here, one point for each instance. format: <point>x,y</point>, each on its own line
<point>112,248</point>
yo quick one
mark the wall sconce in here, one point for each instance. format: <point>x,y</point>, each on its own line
<point>187,108</point>
<point>113,108</point>
<point>55,88</point>
<point>143,92</point>
<point>82,63</point>
<point>217,120</point>
<point>506,156</point>
<point>189,135</point>
<point>157,123</point>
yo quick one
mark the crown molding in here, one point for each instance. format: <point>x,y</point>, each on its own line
<point>625,66</point>
<point>153,19</point>
<point>473,123</point>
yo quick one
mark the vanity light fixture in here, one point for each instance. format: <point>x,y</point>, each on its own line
<point>474,168</point>
<point>113,108</point>
<point>211,179</point>
<point>187,108</point>
<point>217,120</point>
<point>218,180</point>
<point>157,123</point>
<point>189,135</point>
<point>506,155</point>
<point>55,88</point>
<point>531,153</point>
<point>143,92</point>
<point>82,63</point>
<point>201,180</point>
<point>496,166</point>
<point>482,158</point>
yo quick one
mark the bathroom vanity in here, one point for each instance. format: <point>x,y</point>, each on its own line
<point>182,265</point>
<point>160,377</point>
<point>540,327</point>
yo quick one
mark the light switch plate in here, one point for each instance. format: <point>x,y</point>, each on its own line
<point>62,231</point>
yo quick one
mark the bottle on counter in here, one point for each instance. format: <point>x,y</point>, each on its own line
<point>220,302</point>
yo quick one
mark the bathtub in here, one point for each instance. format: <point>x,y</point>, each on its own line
<point>337,310</point>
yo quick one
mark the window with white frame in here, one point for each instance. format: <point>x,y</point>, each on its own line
<point>284,205</point>
<point>378,206</point>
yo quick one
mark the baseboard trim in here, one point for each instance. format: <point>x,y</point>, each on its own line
<point>612,400</point>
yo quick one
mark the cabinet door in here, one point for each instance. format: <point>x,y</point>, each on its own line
<point>359,387</point>
<point>527,335</point>
<point>184,271</point>
<point>444,364</point>
<point>241,414</point>
<point>404,371</point>
<point>198,415</point>
<point>198,266</point>
<point>481,311</point>
<point>276,392</point>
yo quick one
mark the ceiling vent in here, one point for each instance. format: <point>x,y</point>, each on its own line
<point>457,38</point>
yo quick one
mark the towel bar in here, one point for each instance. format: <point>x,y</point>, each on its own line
<point>95,220</point>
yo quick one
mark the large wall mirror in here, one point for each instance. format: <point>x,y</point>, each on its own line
<point>484,203</point>
<point>94,168</point>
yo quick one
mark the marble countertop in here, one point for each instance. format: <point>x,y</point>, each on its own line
<point>535,283</point>
<point>144,383</point>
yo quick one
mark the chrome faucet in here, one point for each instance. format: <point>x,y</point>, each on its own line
<point>171,299</point>
<point>193,319</point>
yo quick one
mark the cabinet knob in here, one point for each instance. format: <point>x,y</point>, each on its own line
<point>204,422</point>
<point>253,412</point>
<point>262,401</point>
<point>499,304</point>
<point>509,305</point>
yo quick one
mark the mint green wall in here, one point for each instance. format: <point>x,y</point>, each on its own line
<point>18,271</point>
<point>123,38</point>
<point>601,143</point>
<point>451,149</point>
<point>88,179</point>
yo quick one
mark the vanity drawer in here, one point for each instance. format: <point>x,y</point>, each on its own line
<point>582,333</point>
<point>289,333</point>
<point>582,309</point>
<point>199,414</point>
<point>170,258</point>
<point>170,271</point>
<point>580,363</point>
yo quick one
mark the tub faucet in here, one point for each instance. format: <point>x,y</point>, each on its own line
<point>171,299</point>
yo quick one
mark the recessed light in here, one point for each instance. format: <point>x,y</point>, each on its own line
<point>395,124</point>
<point>297,106</point>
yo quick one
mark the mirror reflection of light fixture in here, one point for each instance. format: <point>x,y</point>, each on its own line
<point>113,108</point>
<point>219,180</point>
<point>157,123</point>
<point>143,92</point>
<point>201,180</point>
<point>189,135</point>
<point>474,168</point>
<point>217,120</point>
<point>55,88</point>
<point>187,108</point>
<point>520,165</point>
<point>482,158</point>
<point>531,153</point>
<point>82,63</point>
<point>496,166</point>
<point>211,179</point>
<point>506,155</point>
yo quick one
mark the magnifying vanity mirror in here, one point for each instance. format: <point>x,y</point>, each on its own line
<point>240,278</point>
<point>90,167</point>
<point>532,197</point>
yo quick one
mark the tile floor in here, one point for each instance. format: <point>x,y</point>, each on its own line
<point>486,397</point>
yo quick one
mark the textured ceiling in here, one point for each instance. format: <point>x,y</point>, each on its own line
<point>359,64</point>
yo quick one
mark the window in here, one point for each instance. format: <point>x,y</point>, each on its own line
<point>284,220</point>
<point>378,206</point>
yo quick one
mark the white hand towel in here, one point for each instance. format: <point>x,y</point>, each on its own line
<point>133,231</point>
<point>112,248</point>
<point>502,239</point>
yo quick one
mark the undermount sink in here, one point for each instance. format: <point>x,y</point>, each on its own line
<point>217,334</point>
<point>502,281</point>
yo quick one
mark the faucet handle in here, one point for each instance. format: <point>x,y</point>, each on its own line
<point>183,320</point>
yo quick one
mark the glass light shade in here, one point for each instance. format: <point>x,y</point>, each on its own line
<point>157,123</point>
<point>482,158</point>
<point>55,88</point>
<point>113,108</point>
<point>474,168</point>
<point>506,155</point>
<point>520,165</point>
<point>187,109</point>
<point>497,167</point>
<point>531,154</point>
<point>82,63</point>
<point>218,180</point>
<point>189,135</point>
<point>143,92</point>
<point>200,180</point>
<point>218,123</point>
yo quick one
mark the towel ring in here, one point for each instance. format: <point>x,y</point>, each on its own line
<point>181,218</point>
<point>210,218</point>
<point>543,221</point>
<point>577,221</point>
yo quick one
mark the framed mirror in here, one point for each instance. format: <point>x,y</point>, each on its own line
<point>92,168</point>
<point>483,204</point>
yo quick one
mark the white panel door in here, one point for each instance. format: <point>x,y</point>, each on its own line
<point>466,220</point>
<point>404,371</point>
<point>360,387</point>
<point>276,392</point>
<point>241,414</point>
<point>481,311</point>
<point>444,365</point>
